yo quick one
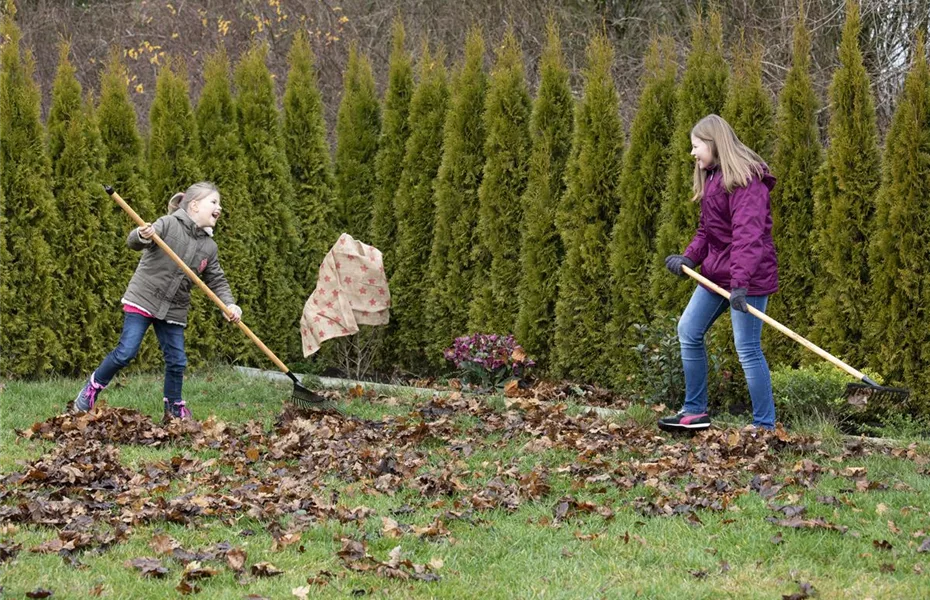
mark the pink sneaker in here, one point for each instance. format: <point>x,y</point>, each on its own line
<point>177,410</point>
<point>88,395</point>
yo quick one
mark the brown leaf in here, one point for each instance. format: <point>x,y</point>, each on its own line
<point>235,558</point>
<point>512,389</point>
<point>886,568</point>
<point>265,569</point>
<point>163,544</point>
<point>284,540</point>
<point>882,544</point>
<point>149,567</point>
<point>352,550</point>
<point>39,593</point>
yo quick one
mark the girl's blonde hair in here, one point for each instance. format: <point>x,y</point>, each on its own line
<point>198,191</point>
<point>737,163</point>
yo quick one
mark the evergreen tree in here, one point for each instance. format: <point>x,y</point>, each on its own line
<point>173,155</point>
<point>642,181</point>
<point>797,157</point>
<point>358,125</point>
<point>277,248</point>
<point>415,214</point>
<point>222,162</point>
<point>309,158</point>
<point>541,249</point>
<point>172,145</point>
<point>395,129</point>
<point>27,220</point>
<point>844,200</point>
<point>899,252</point>
<point>702,92</point>
<point>748,108</point>
<point>500,212</point>
<point>456,197</point>
<point>585,218</point>
<point>82,253</point>
<point>123,167</point>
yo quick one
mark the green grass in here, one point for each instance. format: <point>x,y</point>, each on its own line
<point>500,554</point>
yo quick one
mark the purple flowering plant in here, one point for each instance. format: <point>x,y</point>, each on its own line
<point>488,360</point>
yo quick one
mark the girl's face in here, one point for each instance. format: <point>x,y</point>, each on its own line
<point>206,211</point>
<point>702,153</point>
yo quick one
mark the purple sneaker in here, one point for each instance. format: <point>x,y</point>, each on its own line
<point>177,410</point>
<point>683,421</point>
<point>88,395</point>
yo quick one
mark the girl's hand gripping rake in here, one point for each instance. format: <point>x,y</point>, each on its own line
<point>302,396</point>
<point>856,393</point>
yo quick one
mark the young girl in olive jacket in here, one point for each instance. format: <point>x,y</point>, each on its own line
<point>159,292</point>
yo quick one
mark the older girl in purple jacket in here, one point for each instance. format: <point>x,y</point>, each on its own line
<point>733,245</point>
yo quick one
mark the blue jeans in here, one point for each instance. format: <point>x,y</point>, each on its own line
<point>170,338</point>
<point>703,309</point>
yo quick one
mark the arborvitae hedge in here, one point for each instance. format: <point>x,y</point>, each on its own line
<point>702,92</point>
<point>642,181</point>
<point>83,254</point>
<point>585,218</point>
<point>414,204</point>
<point>277,248</point>
<point>844,203</point>
<point>456,198</point>
<point>899,254</point>
<point>358,126</point>
<point>28,289</point>
<point>796,159</point>
<point>222,162</point>
<point>541,249</point>
<point>310,162</point>
<point>395,129</point>
<point>748,108</point>
<point>500,212</point>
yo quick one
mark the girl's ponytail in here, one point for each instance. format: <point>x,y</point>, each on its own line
<point>175,202</point>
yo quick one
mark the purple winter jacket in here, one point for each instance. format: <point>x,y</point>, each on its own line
<point>733,244</point>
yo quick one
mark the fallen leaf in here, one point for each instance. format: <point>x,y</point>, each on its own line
<point>39,593</point>
<point>265,569</point>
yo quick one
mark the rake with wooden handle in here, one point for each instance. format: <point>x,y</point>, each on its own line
<point>857,393</point>
<point>302,396</point>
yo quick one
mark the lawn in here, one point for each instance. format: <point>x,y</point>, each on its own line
<point>444,497</point>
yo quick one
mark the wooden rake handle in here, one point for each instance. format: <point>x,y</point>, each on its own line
<point>769,320</point>
<point>190,273</point>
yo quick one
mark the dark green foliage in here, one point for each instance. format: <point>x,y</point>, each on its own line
<point>541,249</point>
<point>124,167</point>
<point>415,215</point>
<point>844,203</point>
<point>222,162</point>
<point>309,159</point>
<point>796,159</point>
<point>899,253</point>
<point>173,158</point>
<point>389,164</point>
<point>456,197</point>
<point>83,255</point>
<point>28,289</point>
<point>500,212</point>
<point>172,145</point>
<point>641,184</point>
<point>277,247</point>
<point>585,219</point>
<point>748,108</point>
<point>358,126</point>
<point>702,92</point>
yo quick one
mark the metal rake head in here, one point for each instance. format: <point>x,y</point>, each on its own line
<point>305,398</point>
<point>861,394</point>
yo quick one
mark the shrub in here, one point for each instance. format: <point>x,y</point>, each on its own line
<point>488,361</point>
<point>809,391</point>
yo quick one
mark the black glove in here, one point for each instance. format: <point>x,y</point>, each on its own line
<point>674,262</point>
<point>738,300</point>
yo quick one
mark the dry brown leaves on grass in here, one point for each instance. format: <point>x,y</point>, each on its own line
<point>283,475</point>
